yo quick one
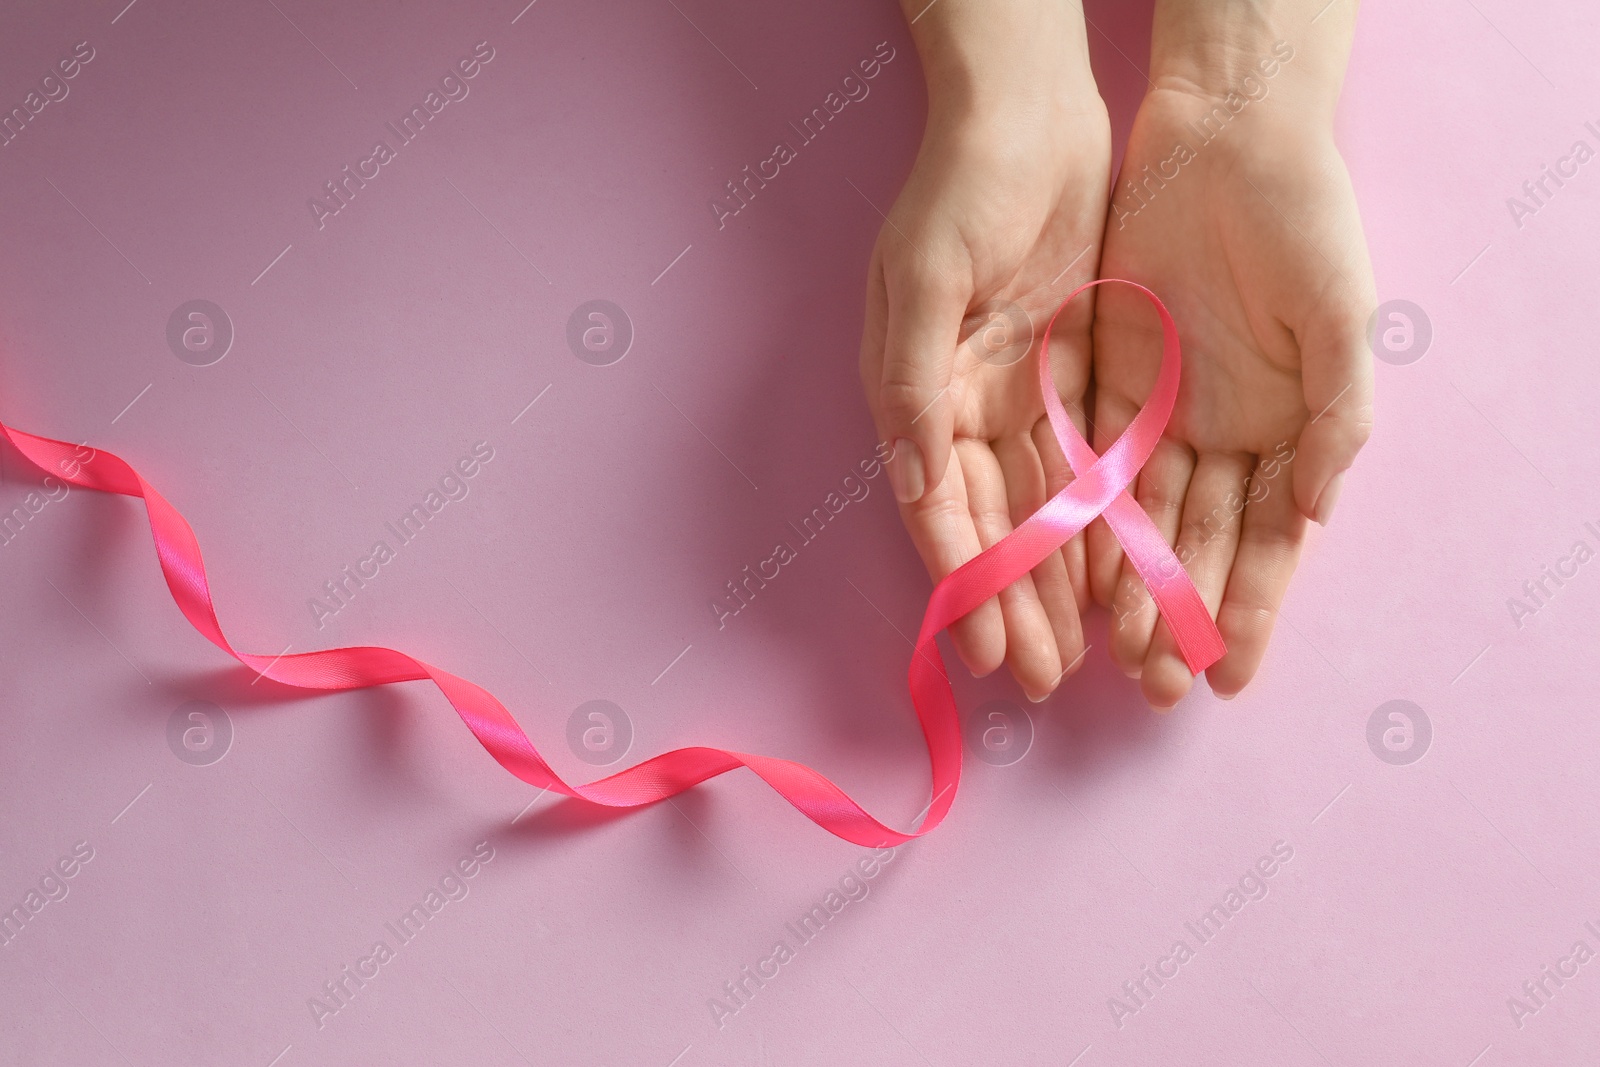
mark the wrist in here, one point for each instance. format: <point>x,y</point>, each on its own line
<point>1244,50</point>
<point>1010,60</point>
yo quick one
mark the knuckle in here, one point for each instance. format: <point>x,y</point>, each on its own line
<point>1035,656</point>
<point>1157,504</point>
<point>991,517</point>
<point>902,400</point>
<point>907,270</point>
<point>1249,617</point>
<point>943,512</point>
<point>1165,685</point>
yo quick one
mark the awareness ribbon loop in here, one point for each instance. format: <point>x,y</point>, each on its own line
<point>1100,487</point>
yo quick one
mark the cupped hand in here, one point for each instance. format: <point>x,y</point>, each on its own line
<point>1254,242</point>
<point>1001,217</point>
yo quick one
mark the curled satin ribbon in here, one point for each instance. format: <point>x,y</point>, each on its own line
<point>1099,487</point>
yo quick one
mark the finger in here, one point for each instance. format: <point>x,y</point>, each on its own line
<point>1071,365</point>
<point>924,307</point>
<point>1269,549</point>
<point>1025,492</point>
<point>1057,476</point>
<point>1213,513</point>
<point>1111,417</point>
<point>1162,486</point>
<point>1030,644</point>
<point>1336,372</point>
<point>941,527</point>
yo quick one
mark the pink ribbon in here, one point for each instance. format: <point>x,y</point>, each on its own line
<point>1100,487</point>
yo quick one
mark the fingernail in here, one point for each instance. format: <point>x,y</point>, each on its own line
<point>1034,699</point>
<point>907,475</point>
<point>1330,497</point>
<point>1224,696</point>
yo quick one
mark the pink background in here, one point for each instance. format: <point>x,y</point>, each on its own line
<point>427,315</point>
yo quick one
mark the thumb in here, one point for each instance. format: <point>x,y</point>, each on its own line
<point>1336,374</point>
<point>925,308</point>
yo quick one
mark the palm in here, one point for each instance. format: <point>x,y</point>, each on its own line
<point>1020,273</point>
<point>1255,245</point>
<point>1001,231</point>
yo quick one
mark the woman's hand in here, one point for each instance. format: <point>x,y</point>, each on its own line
<point>1001,217</point>
<point>1234,206</point>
